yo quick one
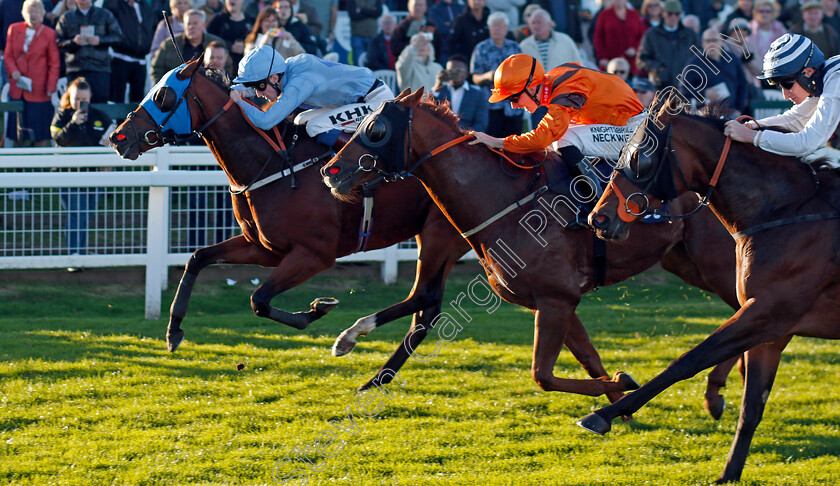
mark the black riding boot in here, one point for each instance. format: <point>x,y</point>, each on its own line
<point>573,159</point>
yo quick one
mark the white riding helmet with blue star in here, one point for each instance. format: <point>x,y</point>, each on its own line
<point>259,64</point>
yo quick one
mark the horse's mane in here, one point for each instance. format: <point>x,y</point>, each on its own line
<point>442,110</point>
<point>217,76</point>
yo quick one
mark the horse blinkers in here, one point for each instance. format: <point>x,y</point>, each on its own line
<point>383,138</point>
<point>165,99</point>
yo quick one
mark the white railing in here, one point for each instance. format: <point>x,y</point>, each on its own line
<point>153,212</point>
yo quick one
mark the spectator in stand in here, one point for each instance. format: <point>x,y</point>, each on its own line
<point>652,13</point>
<point>743,10</point>
<point>178,8</point>
<point>327,11</point>
<point>267,31</point>
<point>644,89</point>
<point>380,55</point>
<point>508,7</point>
<point>416,66</point>
<point>523,31</point>
<point>618,32</point>
<point>10,13</point>
<point>363,15</point>
<point>77,124</point>
<point>413,23</point>
<point>468,102</point>
<point>765,28</point>
<point>191,44</point>
<point>566,15</point>
<point>666,47</point>
<point>216,57</point>
<point>443,15</point>
<point>620,67</point>
<point>715,75</point>
<point>252,8</point>
<point>31,54</point>
<point>830,15</point>
<point>84,35</point>
<point>128,62</point>
<point>232,26</point>
<point>212,8</point>
<point>52,16</point>
<point>488,54</point>
<point>692,22</point>
<point>703,9</point>
<point>813,27</point>
<point>296,27</point>
<point>740,29</point>
<point>549,47</point>
<point>469,29</point>
<point>307,14</point>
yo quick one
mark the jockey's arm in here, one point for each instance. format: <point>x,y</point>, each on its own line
<point>812,136</point>
<point>793,119</point>
<point>285,105</point>
<point>553,125</point>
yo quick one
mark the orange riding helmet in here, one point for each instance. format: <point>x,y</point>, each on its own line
<point>514,75</point>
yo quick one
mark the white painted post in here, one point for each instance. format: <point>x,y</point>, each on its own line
<point>157,240</point>
<point>389,265</point>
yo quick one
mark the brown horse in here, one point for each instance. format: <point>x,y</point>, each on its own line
<point>787,237</point>
<point>529,260</point>
<point>301,232</point>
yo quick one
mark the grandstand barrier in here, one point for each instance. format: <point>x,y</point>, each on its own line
<point>153,212</point>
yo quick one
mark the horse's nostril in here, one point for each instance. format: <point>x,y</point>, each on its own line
<point>600,221</point>
<point>333,170</point>
<point>120,137</point>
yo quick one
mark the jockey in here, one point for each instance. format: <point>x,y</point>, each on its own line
<point>590,113</point>
<point>305,78</point>
<point>797,65</point>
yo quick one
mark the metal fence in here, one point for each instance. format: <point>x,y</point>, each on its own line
<point>86,207</point>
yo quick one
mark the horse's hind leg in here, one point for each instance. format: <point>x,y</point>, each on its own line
<point>714,401</point>
<point>233,250</point>
<point>298,266</point>
<point>762,363</point>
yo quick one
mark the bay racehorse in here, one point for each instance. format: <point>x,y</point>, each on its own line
<point>529,258</point>
<point>783,217</point>
<point>300,231</point>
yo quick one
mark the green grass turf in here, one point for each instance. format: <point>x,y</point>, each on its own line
<point>89,394</point>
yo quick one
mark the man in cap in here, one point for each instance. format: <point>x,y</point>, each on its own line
<point>813,27</point>
<point>666,47</point>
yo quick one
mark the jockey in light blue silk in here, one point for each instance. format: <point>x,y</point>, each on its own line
<point>343,94</point>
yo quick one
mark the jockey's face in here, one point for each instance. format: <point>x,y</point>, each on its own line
<point>797,93</point>
<point>269,91</point>
<point>526,102</point>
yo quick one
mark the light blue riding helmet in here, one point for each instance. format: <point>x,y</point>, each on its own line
<point>259,64</point>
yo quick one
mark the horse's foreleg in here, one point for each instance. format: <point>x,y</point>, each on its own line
<point>762,364</point>
<point>421,325</point>
<point>579,343</point>
<point>752,325</point>
<point>551,325</point>
<point>297,267</point>
<point>233,250</point>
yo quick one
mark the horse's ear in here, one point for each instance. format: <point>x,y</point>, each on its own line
<point>405,92</point>
<point>188,70</point>
<point>414,98</point>
<point>667,103</point>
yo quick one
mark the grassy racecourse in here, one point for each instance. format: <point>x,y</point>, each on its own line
<point>90,395</point>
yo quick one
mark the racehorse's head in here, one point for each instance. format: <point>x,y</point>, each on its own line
<point>166,114</point>
<point>381,147</point>
<point>642,180</point>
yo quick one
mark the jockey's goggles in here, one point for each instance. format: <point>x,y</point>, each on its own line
<point>786,82</point>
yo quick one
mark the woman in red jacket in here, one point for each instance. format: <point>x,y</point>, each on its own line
<point>618,33</point>
<point>32,63</point>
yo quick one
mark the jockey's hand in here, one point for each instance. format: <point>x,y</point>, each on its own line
<point>739,132</point>
<point>492,142</point>
<point>235,95</point>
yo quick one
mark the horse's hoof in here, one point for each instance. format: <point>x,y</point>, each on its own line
<point>715,406</point>
<point>594,423</point>
<point>173,340</point>
<point>343,345</point>
<point>626,381</point>
<point>322,305</point>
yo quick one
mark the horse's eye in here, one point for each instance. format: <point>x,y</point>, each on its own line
<point>376,131</point>
<point>165,99</point>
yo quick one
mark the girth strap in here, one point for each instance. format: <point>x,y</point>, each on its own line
<point>504,212</point>
<point>783,222</point>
